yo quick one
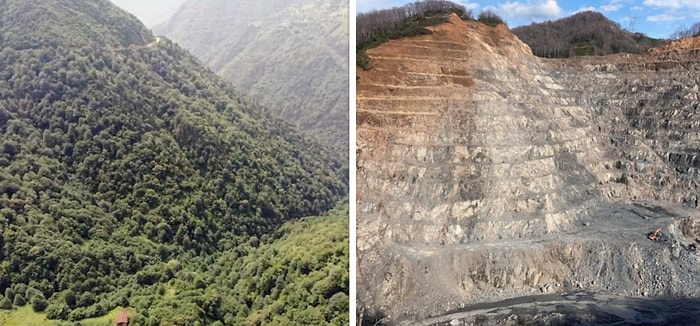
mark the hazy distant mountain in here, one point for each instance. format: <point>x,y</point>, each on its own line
<point>150,12</point>
<point>127,168</point>
<point>290,55</point>
<point>585,33</point>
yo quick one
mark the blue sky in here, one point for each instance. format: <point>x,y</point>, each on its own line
<point>656,18</point>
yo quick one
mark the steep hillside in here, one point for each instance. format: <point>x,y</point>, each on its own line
<point>585,33</point>
<point>378,26</point>
<point>291,56</point>
<point>32,23</point>
<point>124,162</point>
<point>494,186</point>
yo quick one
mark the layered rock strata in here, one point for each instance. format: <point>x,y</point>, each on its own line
<point>486,173</point>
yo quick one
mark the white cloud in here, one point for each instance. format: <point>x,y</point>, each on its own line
<point>637,8</point>
<point>673,4</point>
<point>669,16</point>
<point>614,5</point>
<point>675,9</point>
<point>611,7</point>
<point>468,5</point>
<point>582,9</point>
<point>529,10</point>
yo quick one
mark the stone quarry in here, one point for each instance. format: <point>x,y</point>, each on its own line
<point>496,187</point>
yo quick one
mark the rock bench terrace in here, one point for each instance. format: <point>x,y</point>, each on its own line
<point>486,173</point>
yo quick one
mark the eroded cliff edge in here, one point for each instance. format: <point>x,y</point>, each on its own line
<point>487,173</point>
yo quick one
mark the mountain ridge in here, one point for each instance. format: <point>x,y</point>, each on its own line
<point>127,167</point>
<point>37,22</point>
<point>584,33</point>
<point>292,57</point>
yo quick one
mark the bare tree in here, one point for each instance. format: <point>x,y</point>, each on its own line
<point>683,32</point>
<point>586,33</point>
<point>490,18</point>
<point>378,25</point>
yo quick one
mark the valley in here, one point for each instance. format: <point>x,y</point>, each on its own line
<point>133,178</point>
<point>289,56</point>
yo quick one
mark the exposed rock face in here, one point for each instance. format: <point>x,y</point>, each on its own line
<point>486,173</point>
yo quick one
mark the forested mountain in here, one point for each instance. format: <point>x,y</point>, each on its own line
<point>585,33</point>
<point>130,172</point>
<point>290,55</point>
<point>32,23</point>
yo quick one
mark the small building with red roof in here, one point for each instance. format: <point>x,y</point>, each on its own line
<point>123,319</point>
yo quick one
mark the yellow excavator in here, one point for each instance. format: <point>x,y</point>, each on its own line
<point>653,236</point>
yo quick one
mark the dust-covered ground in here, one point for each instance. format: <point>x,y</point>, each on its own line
<point>576,308</point>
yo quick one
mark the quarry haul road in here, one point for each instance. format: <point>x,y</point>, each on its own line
<point>154,42</point>
<point>599,309</point>
<point>625,224</point>
<point>568,304</point>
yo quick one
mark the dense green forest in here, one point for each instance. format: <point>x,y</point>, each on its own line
<point>37,23</point>
<point>298,275</point>
<point>585,33</point>
<point>132,176</point>
<point>290,55</point>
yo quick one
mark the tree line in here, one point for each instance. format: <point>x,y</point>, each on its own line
<point>381,24</point>
<point>683,32</point>
<point>585,33</point>
<point>378,26</point>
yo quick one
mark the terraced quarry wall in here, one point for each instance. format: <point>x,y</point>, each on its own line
<point>486,173</point>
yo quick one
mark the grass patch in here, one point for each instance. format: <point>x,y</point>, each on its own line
<point>25,316</point>
<point>584,48</point>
